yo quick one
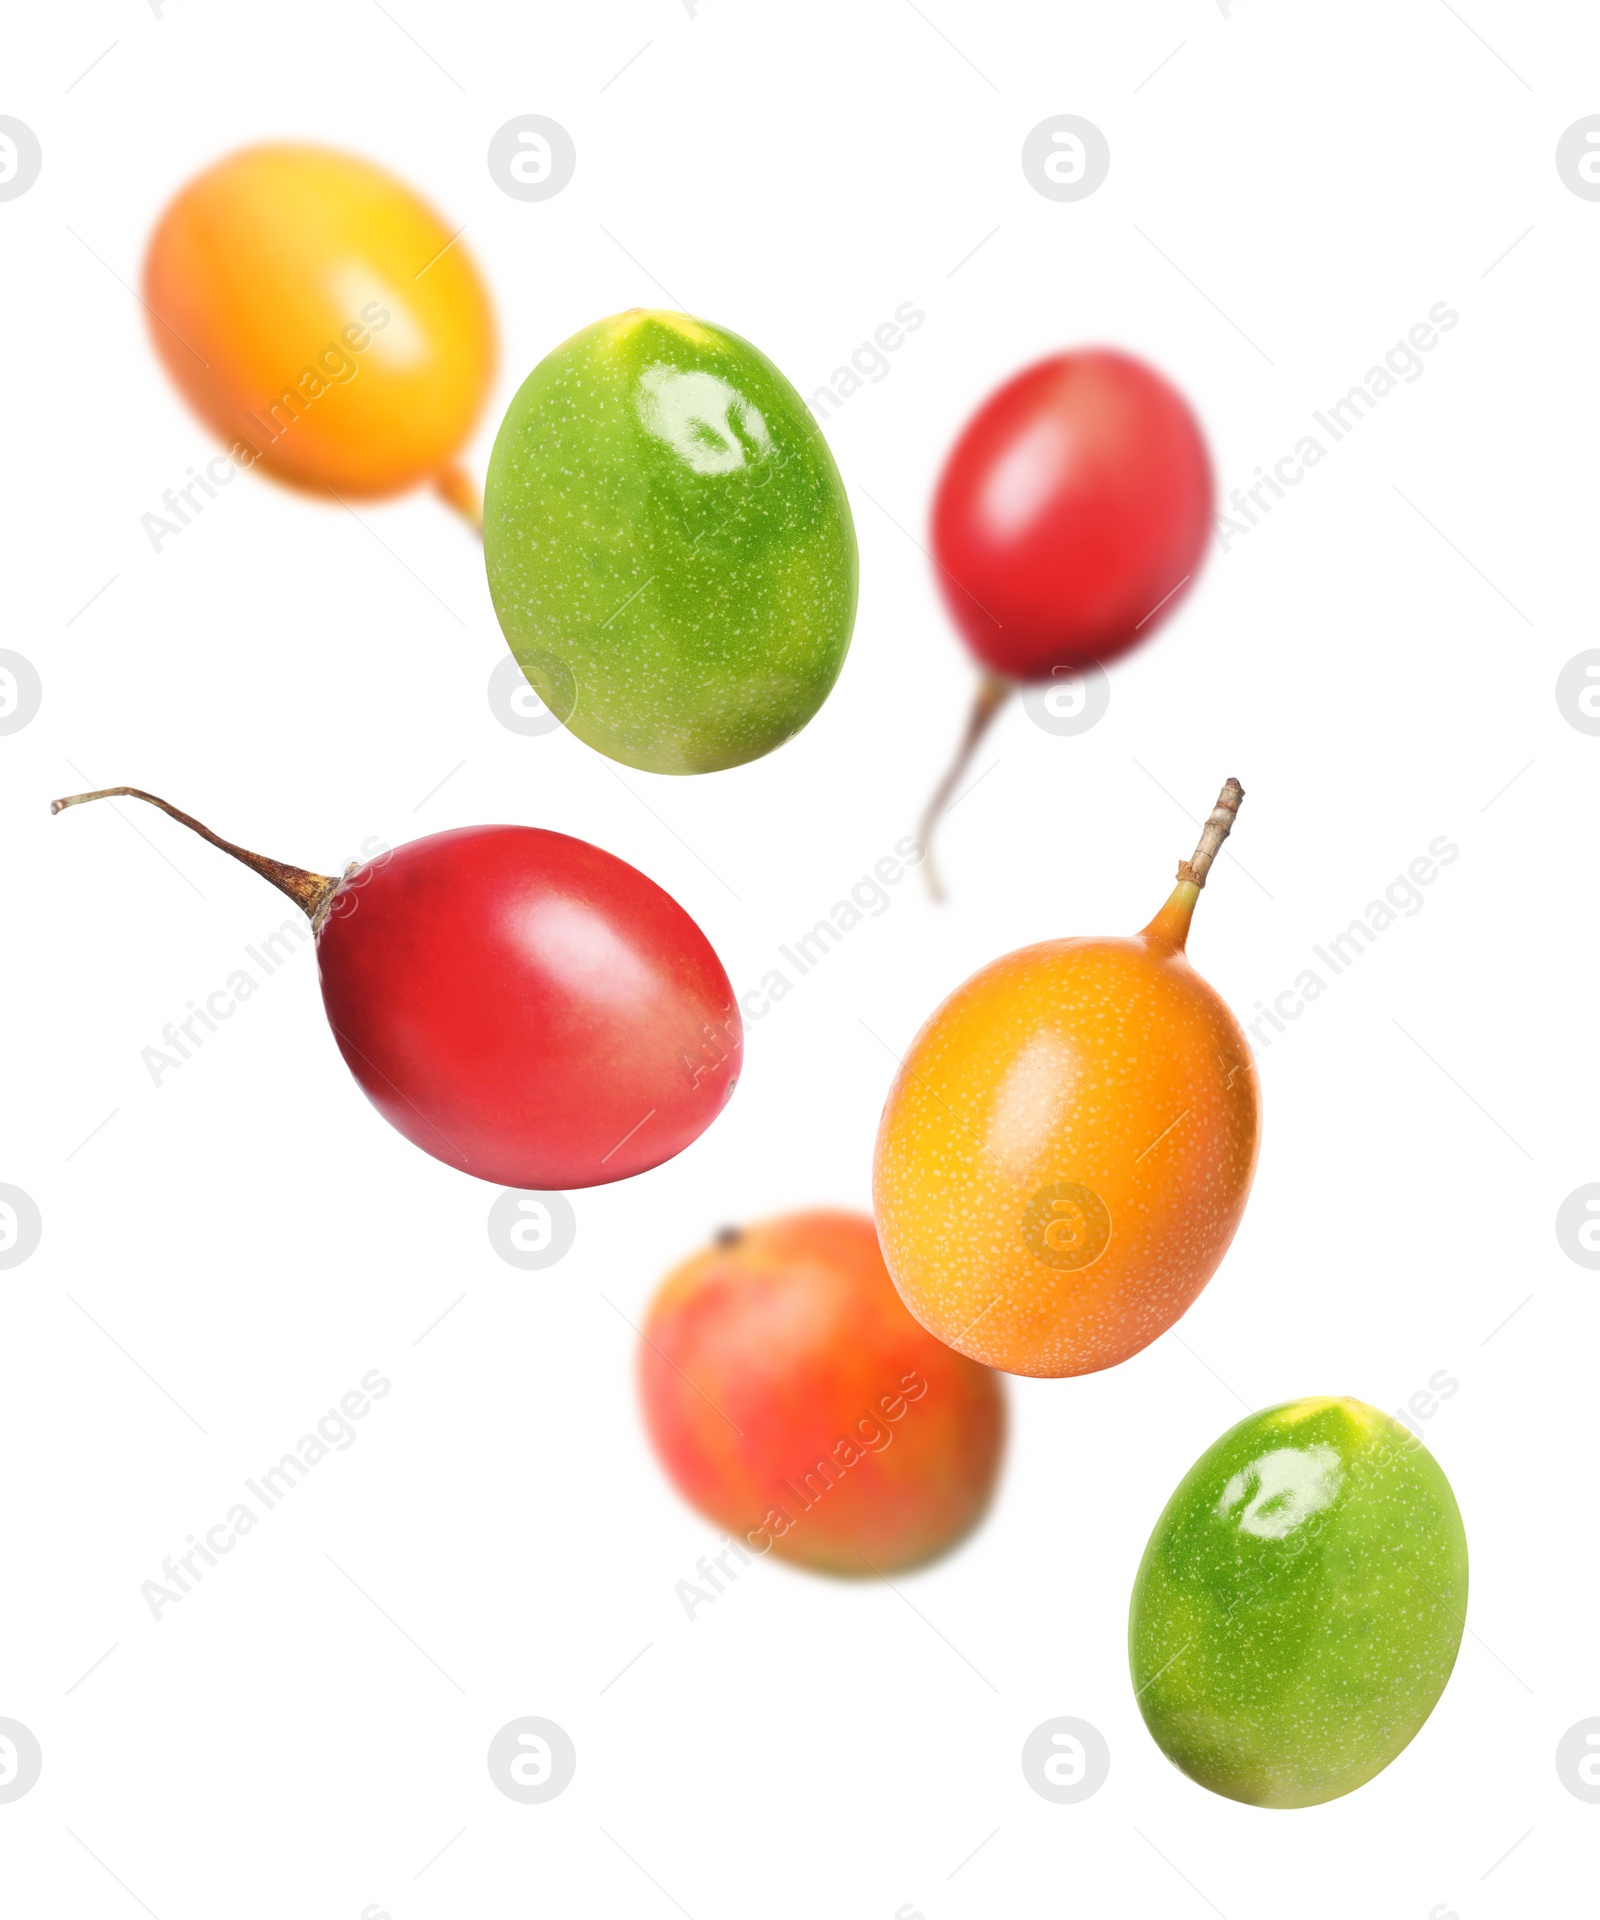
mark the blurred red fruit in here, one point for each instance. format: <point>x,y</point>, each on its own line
<point>1070,518</point>
<point>1070,513</point>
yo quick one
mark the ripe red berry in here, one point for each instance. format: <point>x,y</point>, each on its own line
<point>1071,513</point>
<point>1070,518</point>
<point>527,1007</point>
<point>520,1004</point>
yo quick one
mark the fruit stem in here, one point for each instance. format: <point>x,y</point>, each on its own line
<point>1170,927</point>
<point>993,692</point>
<point>458,490</point>
<point>309,891</point>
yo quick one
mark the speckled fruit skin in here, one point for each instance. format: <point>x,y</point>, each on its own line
<point>788,1354</point>
<point>669,544</point>
<point>1298,1610</point>
<point>262,277</point>
<point>1107,1069</point>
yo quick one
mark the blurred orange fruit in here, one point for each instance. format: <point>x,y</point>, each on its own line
<point>315,313</point>
<point>1067,1148</point>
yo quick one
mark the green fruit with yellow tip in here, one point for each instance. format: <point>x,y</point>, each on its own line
<point>669,545</point>
<point>1300,1604</point>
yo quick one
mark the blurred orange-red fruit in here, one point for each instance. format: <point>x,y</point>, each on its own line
<point>794,1401</point>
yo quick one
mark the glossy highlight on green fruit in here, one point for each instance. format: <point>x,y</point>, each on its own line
<point>669,544</point>
<point>1300,1604</point>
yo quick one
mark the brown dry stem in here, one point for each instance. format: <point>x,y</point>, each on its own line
<point>1219,824</point>
<point>993,692</point>
<point>311,892</point>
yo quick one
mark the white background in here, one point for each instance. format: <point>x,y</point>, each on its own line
<point>252,1237</point>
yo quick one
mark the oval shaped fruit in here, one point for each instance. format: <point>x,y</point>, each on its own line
<point>1300,1604</point>
<point>527,1007</point>
<point>793,1400</point>
<point>315,313</point>
<point>1067,1148</point>
<point>521,1005</point>
<point>669,544</point>
<point>1072,513</point>
<point>1070,518</point>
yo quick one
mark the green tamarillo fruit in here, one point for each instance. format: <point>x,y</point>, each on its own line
<point>669,545</point>
<point>1300,1604</point>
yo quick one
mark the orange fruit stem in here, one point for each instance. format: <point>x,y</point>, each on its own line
<point>459,491</point>
<point>1170,927</point>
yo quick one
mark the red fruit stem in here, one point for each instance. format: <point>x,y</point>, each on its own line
<point>309,891</point>
<point>992,694</point>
